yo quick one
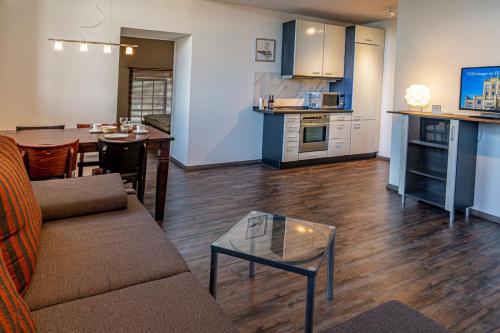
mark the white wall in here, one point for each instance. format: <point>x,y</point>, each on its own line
<point>434,40</point>
<point>390,27</point>
<point>181,98</point>
<point>41,86</point>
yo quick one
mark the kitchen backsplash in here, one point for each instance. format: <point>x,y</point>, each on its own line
<point>287,92</point>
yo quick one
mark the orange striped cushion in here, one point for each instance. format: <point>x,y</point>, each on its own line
<point>14,313</point>
<point>20,216</point>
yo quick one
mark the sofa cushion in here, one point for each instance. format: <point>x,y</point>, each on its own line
<point>14,313</point>
<point>94,254</point>
<point>64,198</point>
<point>392,316</point>
<point>159,121</point>
<point>176,304</point>
<point>20,216</point>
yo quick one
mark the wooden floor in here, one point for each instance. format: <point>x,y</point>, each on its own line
<point>384,252</point>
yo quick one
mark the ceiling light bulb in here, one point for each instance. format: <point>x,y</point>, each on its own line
<point>311,31</point>
<point>84,47</point>
<point>107,48</point>
<point>129,50</point>
<point>58,45</point>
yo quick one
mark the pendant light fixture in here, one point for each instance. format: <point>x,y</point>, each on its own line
<point>106,49</point>
<point>84,47</point>
<point>58,45</point>
<point>84,43</point>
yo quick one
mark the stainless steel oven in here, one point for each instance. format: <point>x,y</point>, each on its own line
<point>314,131</point>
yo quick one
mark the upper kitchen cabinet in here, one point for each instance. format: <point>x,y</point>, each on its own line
<point>368,35</point>
<point>334,51</point>
<point>309,41</point>
<point>312,49</point>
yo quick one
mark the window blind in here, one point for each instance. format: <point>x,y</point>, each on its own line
<point>150,92</point>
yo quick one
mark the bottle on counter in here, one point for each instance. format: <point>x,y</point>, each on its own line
<point>262,103</point>
<point>270,102</point>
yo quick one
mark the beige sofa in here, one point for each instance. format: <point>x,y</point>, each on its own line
<point>104,265</point>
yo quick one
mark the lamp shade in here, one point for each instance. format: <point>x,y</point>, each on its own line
<point>418,95</point>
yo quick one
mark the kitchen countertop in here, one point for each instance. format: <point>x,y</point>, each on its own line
<point>297,110</point>
<point>477,118</point>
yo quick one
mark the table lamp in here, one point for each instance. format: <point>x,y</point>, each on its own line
<point>418,95</point>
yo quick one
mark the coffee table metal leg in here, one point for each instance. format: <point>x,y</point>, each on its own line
<point>213,273</point>
<point>330,270</point>
<point>311,284</point>
<point>251,269</point>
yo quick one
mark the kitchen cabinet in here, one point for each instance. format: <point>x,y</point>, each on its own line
<point>367,82</point>
<point>312,49</point>
<point>290,151</point>
<point>291,138</point>
<point>339,147</point>
<point>340,130</point>
<point>364,137</point>
<point>334,51</point>
<point>369,35</point>
<point>362,86</point>
<point>309,40</point>
<point>313,155</point>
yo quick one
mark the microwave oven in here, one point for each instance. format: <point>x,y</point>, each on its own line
<point>325,100</point>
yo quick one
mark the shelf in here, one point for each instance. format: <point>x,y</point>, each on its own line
<point>428,144</point>
<point>437,175</point>
<point>428,197</point>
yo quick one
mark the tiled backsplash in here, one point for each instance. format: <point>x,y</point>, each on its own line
<point>287,92</point>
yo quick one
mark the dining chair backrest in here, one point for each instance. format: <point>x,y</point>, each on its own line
<point>122,156</point>
<point>49,161</point>
<point>28,128</point>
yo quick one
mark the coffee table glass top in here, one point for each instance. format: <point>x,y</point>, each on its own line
<point>279,239</point>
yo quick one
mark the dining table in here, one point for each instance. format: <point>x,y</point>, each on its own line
<point>158,141</point>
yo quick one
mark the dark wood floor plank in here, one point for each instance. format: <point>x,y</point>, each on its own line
<point>384,251</point>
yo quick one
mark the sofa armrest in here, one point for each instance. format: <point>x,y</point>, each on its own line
<point>64,198</point>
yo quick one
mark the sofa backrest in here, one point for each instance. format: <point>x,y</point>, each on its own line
<point>20,216</point>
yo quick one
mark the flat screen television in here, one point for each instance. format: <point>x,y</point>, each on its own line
<point>480,89</point>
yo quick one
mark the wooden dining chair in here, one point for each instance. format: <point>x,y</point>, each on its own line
<point>28,128</point>
<point>49,161</point>
<point>128,158</point>
<point>86,159</point>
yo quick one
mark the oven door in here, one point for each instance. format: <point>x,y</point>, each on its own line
<point>313,137</point>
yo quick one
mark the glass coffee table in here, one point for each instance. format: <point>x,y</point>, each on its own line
<point>281,242</point>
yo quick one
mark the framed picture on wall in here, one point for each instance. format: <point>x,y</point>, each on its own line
<point>265,50</point>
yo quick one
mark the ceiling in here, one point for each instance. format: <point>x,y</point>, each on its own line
<point>352,11</point>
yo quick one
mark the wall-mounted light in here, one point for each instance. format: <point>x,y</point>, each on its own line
<point>58,45</point>
<point>129,50</point>
<point>106,49</point>
<point>392,13</point>
<point>84,47</point>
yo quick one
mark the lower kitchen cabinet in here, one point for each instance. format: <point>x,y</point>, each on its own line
<point>313,155</point>
<point>290,151</point>
<point>338,147</point>
<point>364,137</point>
<point>346,139</point>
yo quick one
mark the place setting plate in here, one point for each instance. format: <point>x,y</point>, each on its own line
<point>116,136</point>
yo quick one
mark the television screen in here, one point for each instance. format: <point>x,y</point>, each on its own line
<point>480,89</point>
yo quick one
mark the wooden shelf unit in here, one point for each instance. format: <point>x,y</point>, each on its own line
<point>438,162</point>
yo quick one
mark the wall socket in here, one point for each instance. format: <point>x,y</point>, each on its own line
<point>436,109</point>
